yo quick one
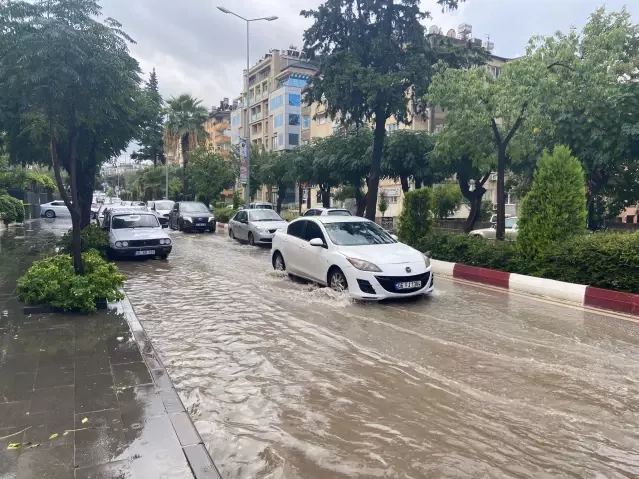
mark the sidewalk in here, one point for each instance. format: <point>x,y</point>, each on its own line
<point>84,396</point>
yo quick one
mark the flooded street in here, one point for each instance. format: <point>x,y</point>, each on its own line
<point>287,380</point>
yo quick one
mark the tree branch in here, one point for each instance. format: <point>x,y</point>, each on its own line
<point>484,179</point>
<point>560,64</point>
<point>493,125</point>
<point>517,124</point>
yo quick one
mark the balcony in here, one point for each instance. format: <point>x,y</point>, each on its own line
<point>256,117</point>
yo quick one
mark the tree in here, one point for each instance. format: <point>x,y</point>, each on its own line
<point>408,154</point>
<point>77,88</point>
<point>447,199</point>
<point>488,116</point>
<point>210,174</point>
<point>371,59</point>
<point>185,123</point>
<point>152,134</point>
<point>278,170</point>
<point>383,202</point>
<point>416,217</point>
<point>555,207</point>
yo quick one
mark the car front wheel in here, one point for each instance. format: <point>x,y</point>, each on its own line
<point>337,281</point>
<point>49,214</point>
<point>278,262</point>
<point>251,240</point>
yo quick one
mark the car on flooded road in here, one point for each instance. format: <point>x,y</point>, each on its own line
<point>351,254</point>
<point>134,234</point>
<point>162,209</point>
<point>255,226</point>
<point>54,209</point>
<point>191,216</point>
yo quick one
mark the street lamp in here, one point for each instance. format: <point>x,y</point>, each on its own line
<point>247,133</point>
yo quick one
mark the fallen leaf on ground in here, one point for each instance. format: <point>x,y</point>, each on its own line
<point>53,436</point>
<point>85,420</point>
<point>14,445</point>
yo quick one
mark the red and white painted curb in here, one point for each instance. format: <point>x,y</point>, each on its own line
<point>576,293</point>
<point>221,226</point>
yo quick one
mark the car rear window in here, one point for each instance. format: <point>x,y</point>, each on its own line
<point>339,213</point>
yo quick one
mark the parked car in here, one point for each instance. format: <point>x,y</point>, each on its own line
<point>260,205</point>
<point>491,233</point>
<point>255,226</point>
<point>493,218</point>
<point>353,254</point>
<point>104,209</point>
<point>191,216</point>
<point>162,208</point>
<point>134,233</point>
<point>94,210</point>
<point>54,209</point>
<point>328,212</point>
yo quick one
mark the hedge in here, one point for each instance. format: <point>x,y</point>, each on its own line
<point>223,215</point>
<point>11,210</point>
<point>604,260</point>
<point>93,237</point>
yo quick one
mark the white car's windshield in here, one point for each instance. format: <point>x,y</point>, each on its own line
<point>164,205</point>
<point>357,233</point>
<point>511,222</point>
<point>134,221</point>
<point>264,215</point>
<point>193,208</point>
<point>339,213</point>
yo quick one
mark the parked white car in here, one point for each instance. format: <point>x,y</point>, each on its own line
<point>354,254</point>
<point>134,233</point>
<point>328,211</point>
<point>54,209</point>
<point>510,232</point>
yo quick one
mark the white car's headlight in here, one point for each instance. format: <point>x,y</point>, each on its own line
<point>364,265</point>
<point>118,244</point>
<point>165,241</point>
<point>426,260</point>
<point>211,219</point>
<point>187,218</point>
<point>262,230</point>
<point>125,243</point>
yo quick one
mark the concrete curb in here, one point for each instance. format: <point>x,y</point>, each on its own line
<point>221,226</point>
<point>576,293</point>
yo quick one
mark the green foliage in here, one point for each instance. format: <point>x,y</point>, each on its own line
<point>93,238</point>
<point>210,174</point>
<point>220,204</point>
<point>382,206</point>
<point>470,250</point>
<point>447,199</point>
<point>24,179</point>
<point>409,154</point>
<point>151,137</point>
<point>223,215</point>
<point>237,200</point>
<point>53,282</point>
<point>416,218</point>
<point>555,207</point>
<point>278,170</point>
<point>11,210</point>
<point>604,260</point>
<point>486,210</point>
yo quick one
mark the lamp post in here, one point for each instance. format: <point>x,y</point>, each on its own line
<point>247,132</point>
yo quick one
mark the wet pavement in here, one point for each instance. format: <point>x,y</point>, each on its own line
<point>84,396</point>
<point>287,380</point>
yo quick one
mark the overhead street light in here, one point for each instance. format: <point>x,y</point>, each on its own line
<point>247,131</point>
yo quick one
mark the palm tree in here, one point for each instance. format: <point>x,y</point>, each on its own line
<point>185,122</point>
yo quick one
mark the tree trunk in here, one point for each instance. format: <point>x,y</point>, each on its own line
<point>418,182</point>
<point>360,202</point>
<point>326,197</point>
<point>376,165</point>
<point>501,193</point>
<point>185,155</point>
<point>308,198</point>
<point>86,173</point>
<point>474,197</point>
<point>404,180</point>
<point>300,194</point>
<point>281,194</point>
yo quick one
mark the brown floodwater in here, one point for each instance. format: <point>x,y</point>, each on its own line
<point>287,380</point>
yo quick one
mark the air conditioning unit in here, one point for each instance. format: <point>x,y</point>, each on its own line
<point>493,177</point>
<point>494,206</point>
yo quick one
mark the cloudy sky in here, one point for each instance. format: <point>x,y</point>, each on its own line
<point>196,48</point>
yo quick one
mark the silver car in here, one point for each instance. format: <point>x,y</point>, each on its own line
<point>510,233</point>
<point>136,233</point>
<point>54,209</point>
<point>255,226</point>
<point>162,208</point>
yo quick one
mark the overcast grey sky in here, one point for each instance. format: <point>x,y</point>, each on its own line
<point>196,48</point>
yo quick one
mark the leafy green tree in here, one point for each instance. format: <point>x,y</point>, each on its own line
<point>407,155</point>
<point>278,170</point>
<point>78,88</point>
<point>11,210</point>
<point>210,174</point>
<point>383,203</point>
<point>372,59</point>
<point>555,207</point>
<point>416,218</point>
<point>488,116</point>
<point>152,133</point>
<point>185,124</point>
<point>447,199</point>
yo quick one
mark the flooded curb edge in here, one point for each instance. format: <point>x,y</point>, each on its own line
<point>196,453</point>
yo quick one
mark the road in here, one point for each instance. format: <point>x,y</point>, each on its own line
<point>287,380</point>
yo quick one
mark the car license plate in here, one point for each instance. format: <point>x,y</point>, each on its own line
<point>145,253</point>
<point>408,285</point>
<point>200,224</point>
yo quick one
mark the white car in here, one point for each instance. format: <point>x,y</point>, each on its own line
<point>134,233</point>
<point>54,209</point>
<point>328,211</point>
<point>354,254</point>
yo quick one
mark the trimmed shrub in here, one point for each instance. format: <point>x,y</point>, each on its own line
<point>416,219</point>
<point>93,237</point>
<point>555,207</point>
<point>11,210</point>
<point>220,204</point>
<point>603,260</point>
<point>53,282</point>
<point>223,215</point>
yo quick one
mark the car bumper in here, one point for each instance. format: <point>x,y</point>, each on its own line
<point>264,238</point>
<point>140,252</point>
<point>210,226</point>
<point>377,286</point>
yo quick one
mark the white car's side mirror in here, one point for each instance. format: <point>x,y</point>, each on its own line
<point>316,242</point>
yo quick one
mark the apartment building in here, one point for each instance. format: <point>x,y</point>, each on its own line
<point>218,126</point>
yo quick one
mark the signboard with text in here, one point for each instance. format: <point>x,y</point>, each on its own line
<point>243,162</point>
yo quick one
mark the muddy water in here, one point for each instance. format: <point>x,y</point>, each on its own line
<point>286,380</point>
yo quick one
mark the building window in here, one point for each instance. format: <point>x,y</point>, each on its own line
<point>392,127</point>
<point>280,139</point>
<point>293,139</point>
<point>306,122</point>
<point>277,102</point>
<point>278,121</point>
<point>294,99</point>
<point>293,119</point>
<point>321,119</point>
